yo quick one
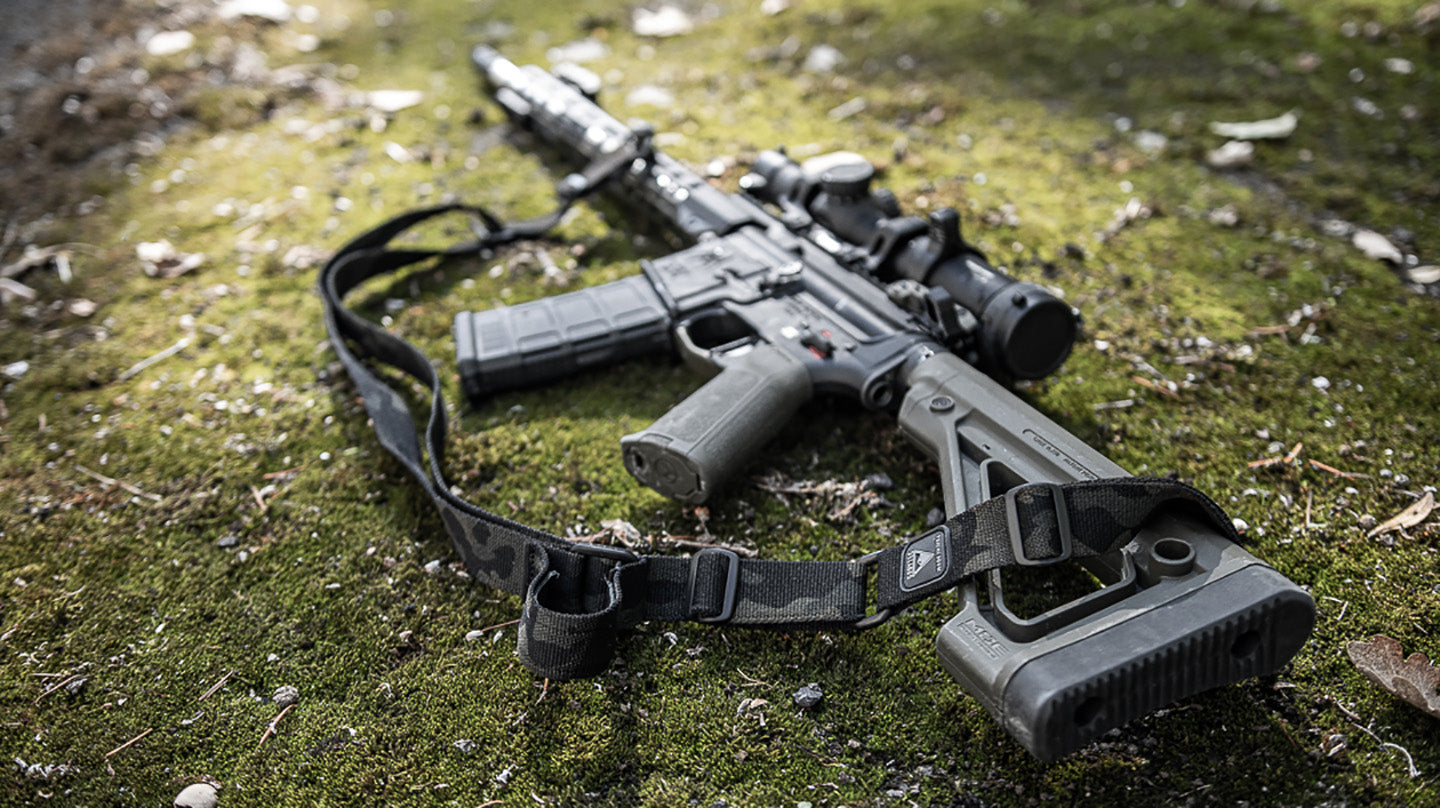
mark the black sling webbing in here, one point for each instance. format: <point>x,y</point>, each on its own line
<point>579,596</point>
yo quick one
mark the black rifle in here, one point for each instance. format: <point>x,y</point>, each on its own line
<point>812,282</point>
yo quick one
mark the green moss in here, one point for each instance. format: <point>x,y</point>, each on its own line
<point>136,596</point>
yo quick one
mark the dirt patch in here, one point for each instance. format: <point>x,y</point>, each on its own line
<point>87,93</point>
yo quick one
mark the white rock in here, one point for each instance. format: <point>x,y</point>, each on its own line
<point>17,369</point>
<point>1233,154</point>
<point>1425,274</point>
<point>155,251</point>
<point>160,259</point>
<point>1150,142</point>
<point>198,795</point>
<point>1320,383</point>
<point>1376,246</point>
<point>398,153</point>
<point>1268,129</point>
<point>651,96</point>
<point>772,7</point>
<point>849,109</point>
<point>662,22</point>
<point>393,100</point>
<point>1398,65</point>
<point>167,43</point>
<point>285,695</point>
<point>581,50</point>
<point>273,10</point>
<point>823,59</point>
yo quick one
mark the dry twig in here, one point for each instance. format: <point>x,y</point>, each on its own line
<point>1159,388</point>
<point>122,747</point>
<point>215,687</point>
<point>57,686</point>
<point>136,490</point>
<point>274,722</point>
<point>140,367</point>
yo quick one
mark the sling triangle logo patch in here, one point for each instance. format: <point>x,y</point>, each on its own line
<point>925,560</point>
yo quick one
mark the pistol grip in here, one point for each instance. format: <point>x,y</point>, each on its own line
<point>554,337</point>
<point>694,448</point>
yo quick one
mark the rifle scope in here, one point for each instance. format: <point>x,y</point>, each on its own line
<point>1024,331</point>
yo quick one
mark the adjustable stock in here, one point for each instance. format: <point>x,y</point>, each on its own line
<point>1182,608</point>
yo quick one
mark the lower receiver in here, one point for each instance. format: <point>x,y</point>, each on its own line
<point>1182,608</point>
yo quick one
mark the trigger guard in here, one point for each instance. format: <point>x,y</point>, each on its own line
<point>709,361</point>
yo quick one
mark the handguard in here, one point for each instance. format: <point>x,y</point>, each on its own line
<point>1183,608</point>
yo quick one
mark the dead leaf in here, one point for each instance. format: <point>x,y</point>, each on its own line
<point>34,257</point>
<point>1413,679</point>
<point>1410,517</point>
<point>1268,129</point>
<point>160,259</point>
<point>1376,246</point>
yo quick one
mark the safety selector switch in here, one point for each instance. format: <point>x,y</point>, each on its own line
<point>819,344</point>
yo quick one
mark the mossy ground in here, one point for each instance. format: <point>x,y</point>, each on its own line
<point>251,432</point>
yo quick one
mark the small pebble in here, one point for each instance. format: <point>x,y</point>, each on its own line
<point>879,481</point>
<point>1376,246</point>
<point>1425,274</point>
<point>934,518</point>
<point>168,43</point>
<point>579,51</point>
<point>823,59</point>
<point>1150,142</point>
<point>1233,154</point>
<point>197,795</point>
<point>393,100</point>
<point>648,95</point>
<point>226,542</point>
<point>1226,216</point>
<point>272,10</point>
<point>285,695</point>
<point>1269,129</point>
<point>663,22</point>
<point>808,696</point>
<point>1401,66</point>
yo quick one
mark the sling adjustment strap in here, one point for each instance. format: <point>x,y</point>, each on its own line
<point>579,597</point>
